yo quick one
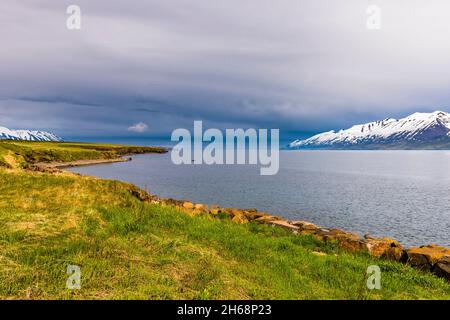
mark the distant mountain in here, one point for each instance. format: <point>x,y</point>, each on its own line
<point>417,131</point>
<point>28,135</point>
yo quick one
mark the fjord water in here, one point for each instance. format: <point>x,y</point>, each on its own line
<point>404,195</point>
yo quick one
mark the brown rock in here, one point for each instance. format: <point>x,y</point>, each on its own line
<point>351,244</point>
<point>304,225</point>
<point>395,254</point>
<point>201,207</point>
<point>236,212</point>
<point>442,268</point>
<point>253,215</point>
<point>188,205</point>
<point>265,219</point>
<point>425,257</point>
<point>239,218</point>
<point>336,235</point>
<point>346,240</point>
<point>378,246</point>
<point>284,224</point>
<point>214,211</point>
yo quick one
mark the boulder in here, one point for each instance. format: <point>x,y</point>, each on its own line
<point>335,234</point>
<point>425,257</point>
<point>228,211</point>
<point>201,207</point>
<point>188,205</point>
<point>395,254</point>
<point>239,218</point>
<point>253,215</point>
<point>236,212</point>
<point>349,243</point>
<point>214,211</point>
<point>266,219</point>
<point>378,246</point>
<point>236,215</point>
<point>305,226</point>
<point>442,268</point>
<point>346,240</point>
<point>284,224</point>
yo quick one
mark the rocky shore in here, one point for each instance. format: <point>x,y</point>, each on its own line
<point>43,166</point>
<point>428,258</point>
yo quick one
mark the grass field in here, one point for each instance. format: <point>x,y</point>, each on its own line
<point>130,249</point>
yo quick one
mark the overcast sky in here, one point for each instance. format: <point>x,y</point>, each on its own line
<point>143,67</point>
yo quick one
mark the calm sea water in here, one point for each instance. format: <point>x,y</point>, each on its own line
<point>401,194</point>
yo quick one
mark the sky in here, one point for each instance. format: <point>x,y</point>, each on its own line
<point>142,68</point>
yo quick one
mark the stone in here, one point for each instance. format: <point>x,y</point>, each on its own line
<point>284,224</point>
<point>214,211</point>
<point>351,244</point>
<point>200,206</point>
<point>395,254</point>
<point>335,235</point>
<point>239,218</point>
<point>425,257</point>
<point>253,215</point>
<point>188,205</point>
<point>266,219</point>
<point>346,240</point>
<point>236,212</point>
<point>378,246</point>
<point>304,225</point>
<point>442,268</point>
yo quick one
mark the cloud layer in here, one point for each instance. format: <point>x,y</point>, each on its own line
<point>306,65</point>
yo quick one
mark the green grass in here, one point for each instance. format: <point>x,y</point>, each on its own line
<point>129,249</point>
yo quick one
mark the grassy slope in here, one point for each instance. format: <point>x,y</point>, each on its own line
<point>130,249</point>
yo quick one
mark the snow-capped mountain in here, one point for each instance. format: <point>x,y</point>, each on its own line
<point>417,131</point>
<point>29,135</point>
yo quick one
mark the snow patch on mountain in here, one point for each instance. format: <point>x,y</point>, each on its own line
<point>28,135</point>
<point>418,127</point>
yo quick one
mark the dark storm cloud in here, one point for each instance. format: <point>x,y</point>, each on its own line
<point>304,65</point>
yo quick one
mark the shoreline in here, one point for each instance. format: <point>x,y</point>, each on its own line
<point>430,258</point>
<point>80,163</point>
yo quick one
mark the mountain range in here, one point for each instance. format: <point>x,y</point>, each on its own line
<point>416,131</point>
<point>28,135</point>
